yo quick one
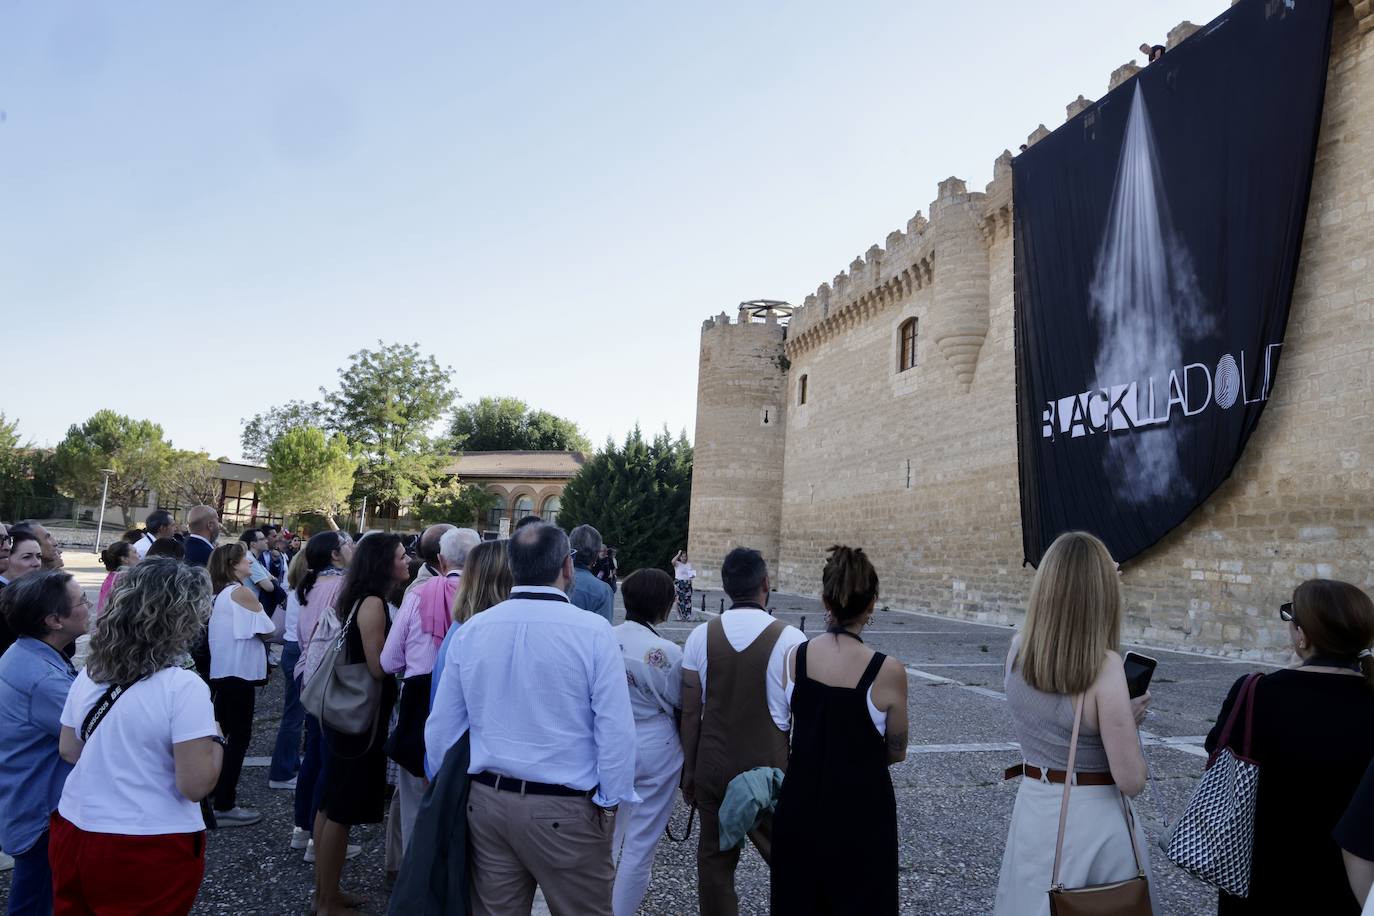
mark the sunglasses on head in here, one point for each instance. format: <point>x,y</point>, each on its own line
<point>1286,612</point>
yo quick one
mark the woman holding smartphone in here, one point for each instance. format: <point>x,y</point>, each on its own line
<point>1064,666</point>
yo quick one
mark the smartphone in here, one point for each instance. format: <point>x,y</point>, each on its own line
<point>1139,670</point>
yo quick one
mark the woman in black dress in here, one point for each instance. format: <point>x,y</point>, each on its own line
<point>849,724</point>
<point>355,773</point>
<point>1313,739</point>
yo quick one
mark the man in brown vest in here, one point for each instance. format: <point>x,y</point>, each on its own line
<point>741,724</point>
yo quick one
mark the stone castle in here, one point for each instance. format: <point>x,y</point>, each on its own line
<point>883,416</point>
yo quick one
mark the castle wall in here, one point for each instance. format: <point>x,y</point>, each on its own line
<point>946,536</point>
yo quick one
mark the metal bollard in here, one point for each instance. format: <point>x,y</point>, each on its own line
<point>722,605</point>
<point>803,624</point>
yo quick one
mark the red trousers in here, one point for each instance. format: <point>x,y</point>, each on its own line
<point>107,874</point>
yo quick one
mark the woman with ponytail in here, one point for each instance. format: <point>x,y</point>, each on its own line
<point>1313,739</point>
<point>310,621</point>
<point>118,557</point>
<point>849,724</point>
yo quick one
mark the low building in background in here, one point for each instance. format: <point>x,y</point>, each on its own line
<point>522,483</point>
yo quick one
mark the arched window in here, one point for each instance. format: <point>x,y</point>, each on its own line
<point>497,511</point>
<point>523,507</point>
<point>551,507</point>
<point>906,357</point>
<point>801,390</point>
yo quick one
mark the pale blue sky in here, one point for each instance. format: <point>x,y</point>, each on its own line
<point>205,207</point>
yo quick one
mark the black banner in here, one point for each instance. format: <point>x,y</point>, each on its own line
<point>1157,241</point>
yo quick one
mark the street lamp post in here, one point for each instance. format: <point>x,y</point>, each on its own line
<point>104,494</point>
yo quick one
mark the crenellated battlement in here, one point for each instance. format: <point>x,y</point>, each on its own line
<point>906,261</point>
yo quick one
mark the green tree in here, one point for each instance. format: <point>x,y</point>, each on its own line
<point>263,429</point>
<point>453,502</point>
<point>191,479</point>
<point>637,495</point>
<point>14,476</point>
<point>134,449</point>
<point>387,404</point>
<point>502,424</point>
<point>310,474</point>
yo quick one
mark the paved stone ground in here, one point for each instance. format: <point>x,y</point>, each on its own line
<point>953,809</point>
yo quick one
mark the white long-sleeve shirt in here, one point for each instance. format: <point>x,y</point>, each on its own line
<point>540,684</point>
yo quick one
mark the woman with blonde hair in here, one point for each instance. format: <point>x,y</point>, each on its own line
<point>1064,675</point>
<point>128,835</point>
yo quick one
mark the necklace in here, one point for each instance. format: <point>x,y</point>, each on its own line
<point>841,631</point>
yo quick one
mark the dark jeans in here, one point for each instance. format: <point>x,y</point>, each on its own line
<point>286,756</point>
<point>310,777</point>
<point>31,886</point>
<point>233,698</point>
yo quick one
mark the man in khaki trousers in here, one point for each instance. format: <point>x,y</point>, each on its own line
<point>741,724</point>
<point>540,686</point>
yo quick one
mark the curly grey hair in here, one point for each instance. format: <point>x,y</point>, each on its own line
<point>156,613</point>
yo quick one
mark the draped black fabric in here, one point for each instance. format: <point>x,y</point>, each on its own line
<point>1157,242</point>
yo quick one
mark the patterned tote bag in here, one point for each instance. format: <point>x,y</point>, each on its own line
<point>1215,836</point>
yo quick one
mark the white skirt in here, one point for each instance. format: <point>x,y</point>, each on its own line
<point>1097,849</point>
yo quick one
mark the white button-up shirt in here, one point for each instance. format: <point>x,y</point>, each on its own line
<point>540,685</point>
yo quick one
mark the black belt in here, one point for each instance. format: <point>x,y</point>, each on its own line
<point>526,787</point>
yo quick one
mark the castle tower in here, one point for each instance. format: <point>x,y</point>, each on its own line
<point>959,320</point>
<point>741,424</point>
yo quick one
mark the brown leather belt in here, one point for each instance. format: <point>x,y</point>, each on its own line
<point>1058,776</point>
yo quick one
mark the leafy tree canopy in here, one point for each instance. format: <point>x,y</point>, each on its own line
<point>310,474</point>
<point>637,495</point>
<point>263,429</point>
<point>502,424</point>
<point>386,405</point>
<point>453,502</point>
<point>134,449</point>
<point>191,479</point>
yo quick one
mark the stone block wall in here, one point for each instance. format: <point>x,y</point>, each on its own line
<point>919,467</point>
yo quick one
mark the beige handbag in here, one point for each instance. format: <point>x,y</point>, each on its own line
<point>343,695</point>
<point>1130,897</point>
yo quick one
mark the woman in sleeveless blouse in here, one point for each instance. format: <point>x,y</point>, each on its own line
<point>849,724</point>
<point>355,775</point>
<point>1065,654</point>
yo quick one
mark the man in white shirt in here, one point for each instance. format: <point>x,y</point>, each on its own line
<point>540,686</point>
<point>159,524</point>
<point>741,724</point>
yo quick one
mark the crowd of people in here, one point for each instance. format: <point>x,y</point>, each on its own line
<point>477,697</point>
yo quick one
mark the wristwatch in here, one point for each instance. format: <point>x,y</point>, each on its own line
<point>219,739</point>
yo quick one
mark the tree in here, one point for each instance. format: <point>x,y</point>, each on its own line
<point>134,449</point>
<point>637,496</point>
<point>14,476</point>
<point>263,429</point>
<point>502,424</point>
<point>192,479</point>
<point>453,502</point>
<point>310,474</point>
<point>387,404</point>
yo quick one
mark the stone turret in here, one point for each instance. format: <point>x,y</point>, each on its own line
<point>742,392</point>
<point>959,319</point>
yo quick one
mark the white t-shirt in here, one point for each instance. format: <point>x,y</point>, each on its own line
<point>293,617</point>
<point>143,544</point>
<point>235,650</point>
<point>742,627</point>
<point>684,572</point>
<point>125,782</point>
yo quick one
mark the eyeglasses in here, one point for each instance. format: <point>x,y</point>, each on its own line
<point>84,602</point>
<point>1286,612</point>
<point>6,540</point>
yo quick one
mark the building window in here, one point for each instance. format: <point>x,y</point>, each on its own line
<point>551,507</point>
<point>906,357</point>
<point>523,506</point>
<point>801,390</point>
<point>496,512</point>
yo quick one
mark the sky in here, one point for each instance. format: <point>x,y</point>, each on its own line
<point>205,208</point>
